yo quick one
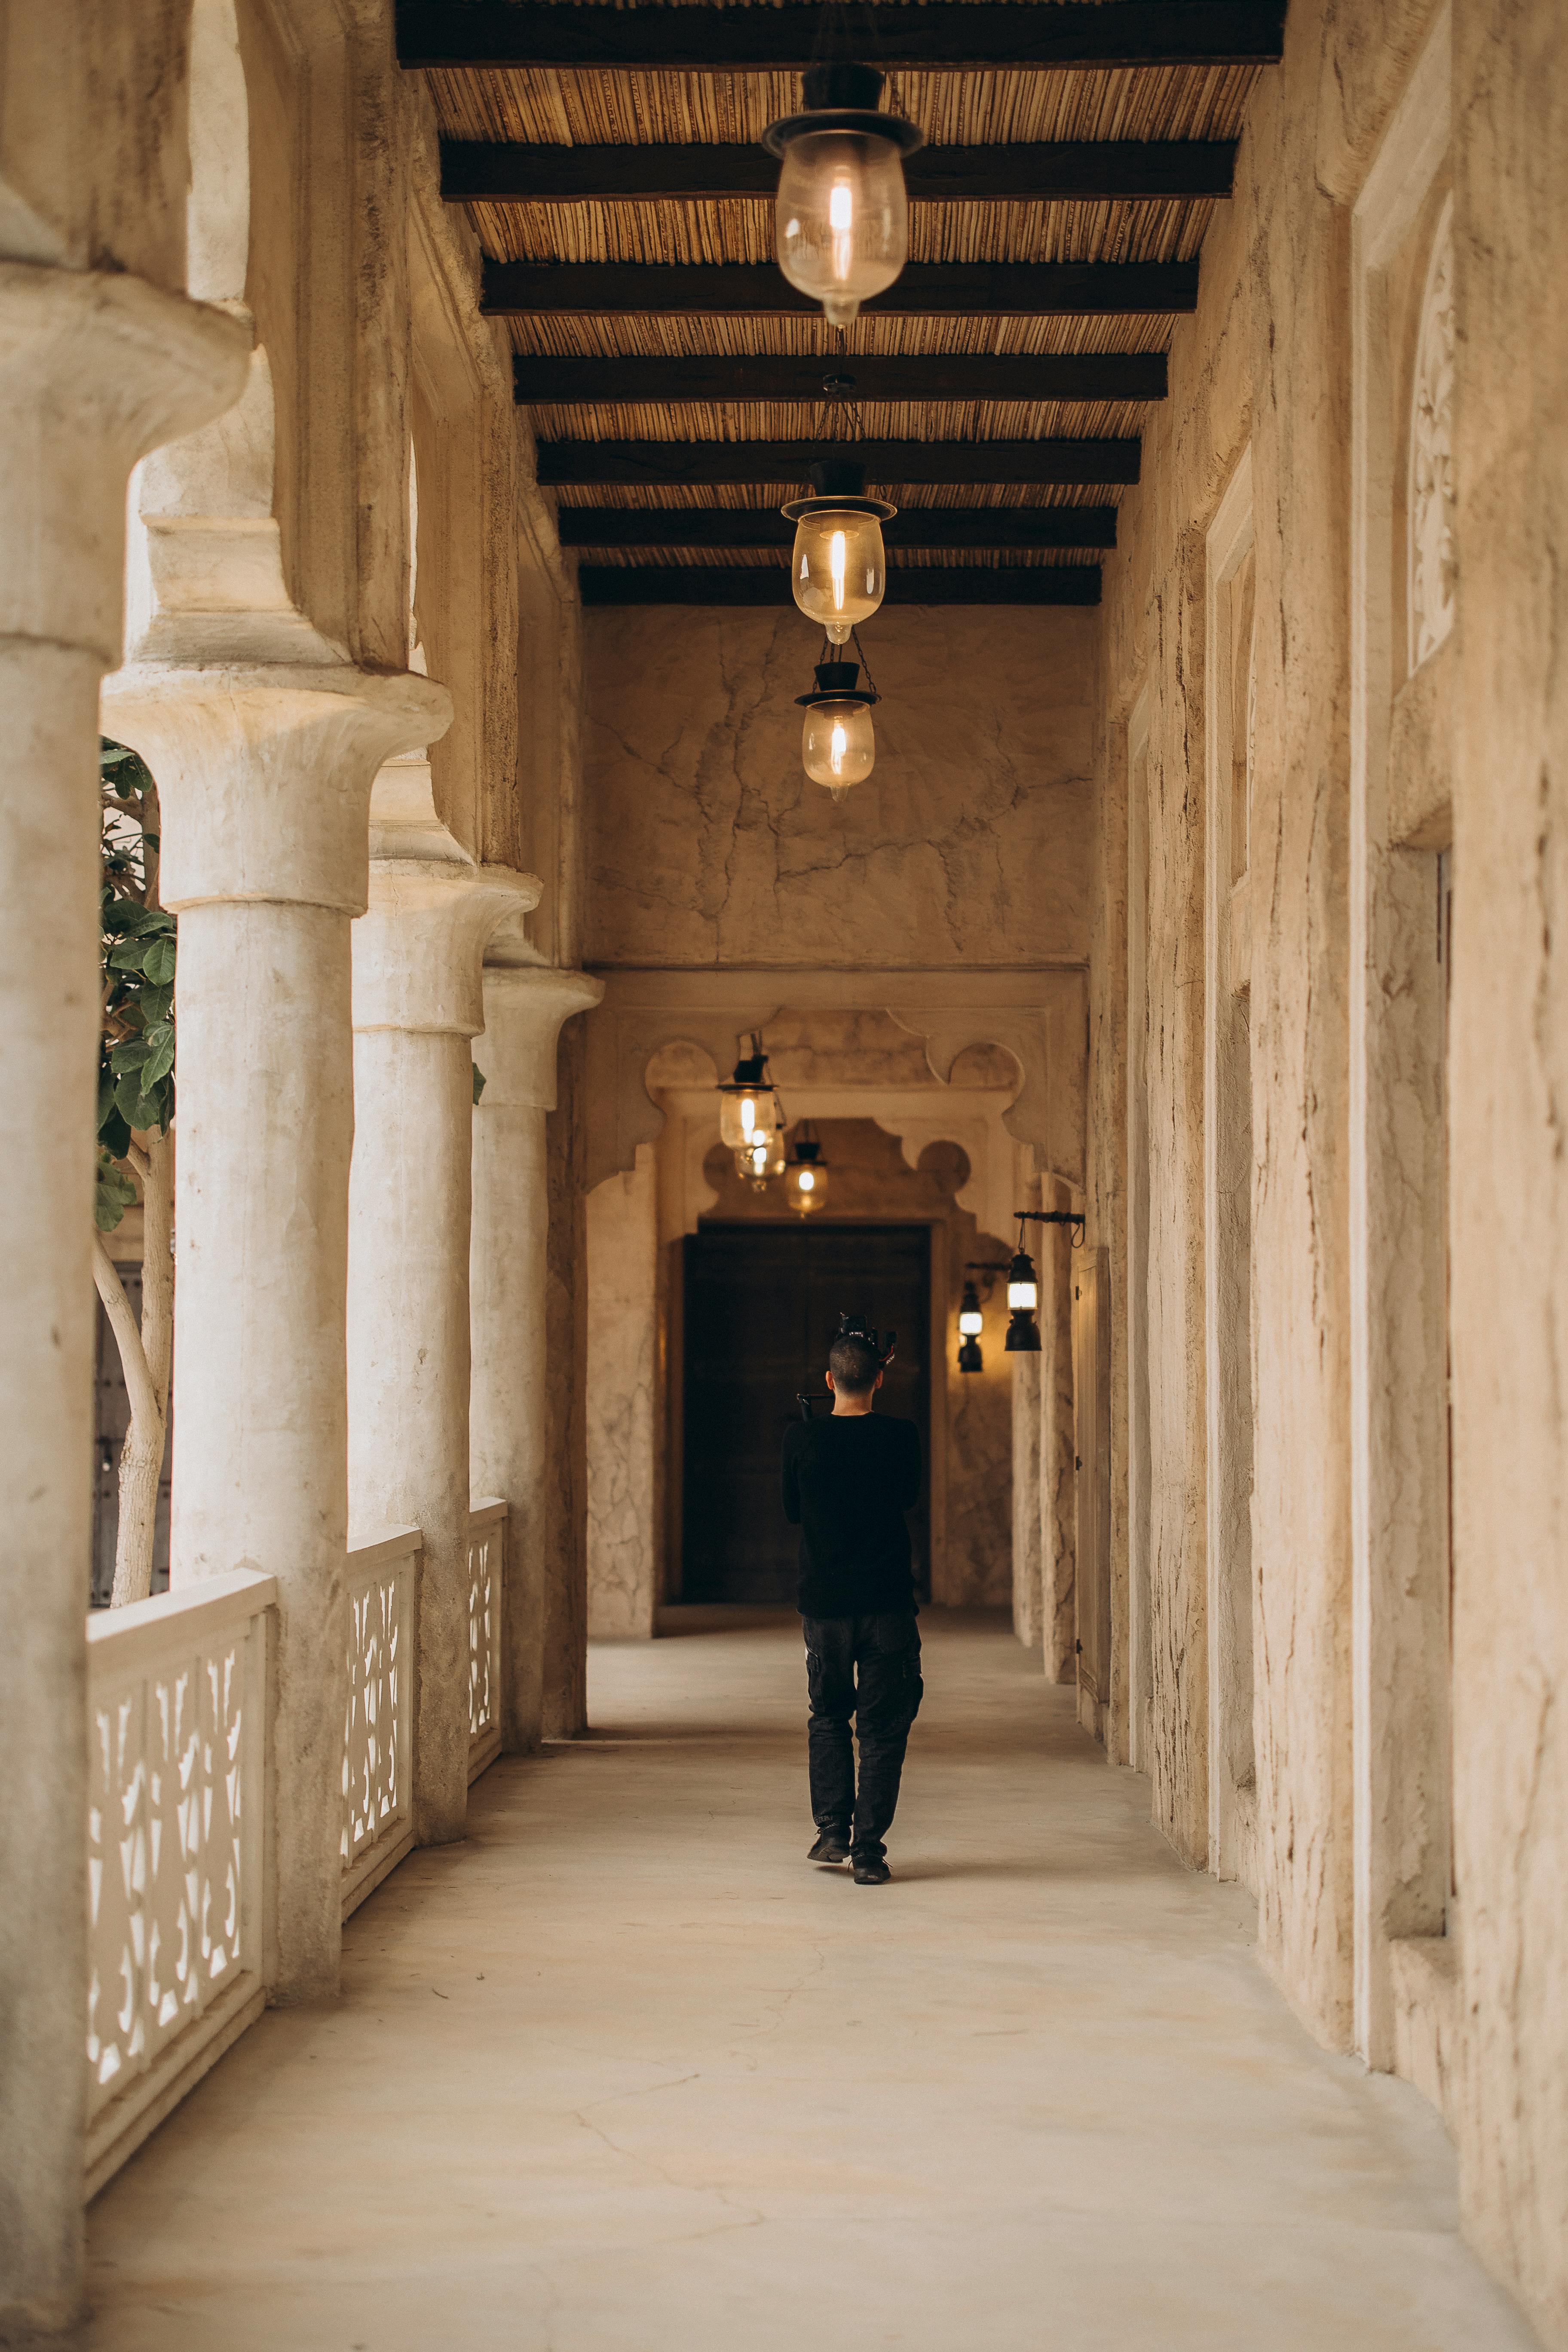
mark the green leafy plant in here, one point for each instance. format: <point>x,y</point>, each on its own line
<point>136,1065</point>
<point>136,1092</point>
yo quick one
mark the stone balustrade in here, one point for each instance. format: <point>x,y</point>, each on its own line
<point>181,1740</point>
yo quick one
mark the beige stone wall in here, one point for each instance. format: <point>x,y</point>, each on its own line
<point>967,844</point>
<point>1510,1177</point>
<point>1350,792</point>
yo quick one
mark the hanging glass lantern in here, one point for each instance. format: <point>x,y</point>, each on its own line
<point>748,1107</point>
<point>839,569</point>
<point>1023,1297</point>
<point>837,743</point>
<point>842,219</point>
<point>764,1156</point>
<point>806,1179</point>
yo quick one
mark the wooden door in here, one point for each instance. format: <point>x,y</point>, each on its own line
<point>1092,1410</point>
<point>761,1307</point>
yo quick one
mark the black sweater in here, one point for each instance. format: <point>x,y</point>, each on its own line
<point>848,1482</point>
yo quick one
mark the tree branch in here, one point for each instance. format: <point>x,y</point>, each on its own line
<point>127,1337</point>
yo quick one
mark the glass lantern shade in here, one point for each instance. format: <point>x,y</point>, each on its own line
<point>837,742</point>
<point>739,1113</point>
<point>840,570</point>
<point>970,1322</point>
<point>842,219</point>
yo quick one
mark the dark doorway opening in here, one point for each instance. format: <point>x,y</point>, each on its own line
<point>762,1305</point>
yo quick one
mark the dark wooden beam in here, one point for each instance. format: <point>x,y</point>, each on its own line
<point>513,33</point>
<point>475,171</point>
<point>943,527</point>
<point>936,376</point>
<point>651,464</point>
<point>1077,584</point>
<point>954,288</point>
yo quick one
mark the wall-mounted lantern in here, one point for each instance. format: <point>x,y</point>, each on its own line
<point>970,1315</point>
<point>1023,1285</point>
<point>842,218</point>
<point>805,1178</point>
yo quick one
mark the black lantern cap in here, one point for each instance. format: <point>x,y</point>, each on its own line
<point>836,683</point>
<point>838,487</point>
<point>843,96</point>
<point>807,1152</point>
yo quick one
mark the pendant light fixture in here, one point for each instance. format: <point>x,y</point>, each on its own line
<point>842,218</point>
<point>749,1109</point>
<point>839,570</point>
<point>806,1179</point>
<point>837,742</point>
<point>764,1157</point>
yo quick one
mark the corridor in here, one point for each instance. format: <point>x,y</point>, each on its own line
<point>620,2071</point>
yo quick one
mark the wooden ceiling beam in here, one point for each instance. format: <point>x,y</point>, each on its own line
<point>476,171</point>
<point>653,465</point>
<point>1077,584</point>
<point>504,34</point>
<point>943,289</point>
<point>935,375</point>
<point>931,527</point>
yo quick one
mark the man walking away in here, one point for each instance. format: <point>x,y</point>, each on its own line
<point>848,1482</point>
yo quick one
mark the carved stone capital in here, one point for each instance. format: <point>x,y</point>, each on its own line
<point>265,774</point>
<point>525,1008</point>
<point>95,370</point>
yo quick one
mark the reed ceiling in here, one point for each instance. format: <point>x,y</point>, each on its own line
<point>532,107</point>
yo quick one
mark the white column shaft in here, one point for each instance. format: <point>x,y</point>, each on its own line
<point>408,1353</point>
<point>509,1273</point>
<point>95,370</point>
<point>265,1126</point>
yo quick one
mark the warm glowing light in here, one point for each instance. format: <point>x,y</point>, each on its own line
<point>840,570</point>
<point>806,1179</point>
<point>837,746</point>
<point>842,221</point>
<point>1024,1294</point>
<point>747,1115</point>
<point>971,1322</point>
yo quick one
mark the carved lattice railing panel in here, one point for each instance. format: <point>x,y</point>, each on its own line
<point>176,1694</point>
<point>486,1539</point>
<point>378,1729</point>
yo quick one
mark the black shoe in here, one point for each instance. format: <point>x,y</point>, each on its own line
<point>832,1845</point>
<point>870,1869</point>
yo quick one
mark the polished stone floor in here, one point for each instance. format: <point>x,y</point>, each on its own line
<point>622,2074</point>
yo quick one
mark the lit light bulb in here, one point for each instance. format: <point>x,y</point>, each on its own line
<point>747,1115</point>
<point>838,571</point>
<point>838,745</point>
<point>806,1179</point>
<point>1023,1294</point>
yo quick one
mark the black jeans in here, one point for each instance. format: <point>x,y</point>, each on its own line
<point>869,1667</point>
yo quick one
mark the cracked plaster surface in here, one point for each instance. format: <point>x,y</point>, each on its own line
<point>968,844</point>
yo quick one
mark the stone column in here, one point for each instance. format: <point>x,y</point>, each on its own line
<point>95,370</point>
<point>417,1004</point>
<point>524,1007</point>
<point>264,775</point>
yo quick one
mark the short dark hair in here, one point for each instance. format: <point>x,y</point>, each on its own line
<point>853,1363</point>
